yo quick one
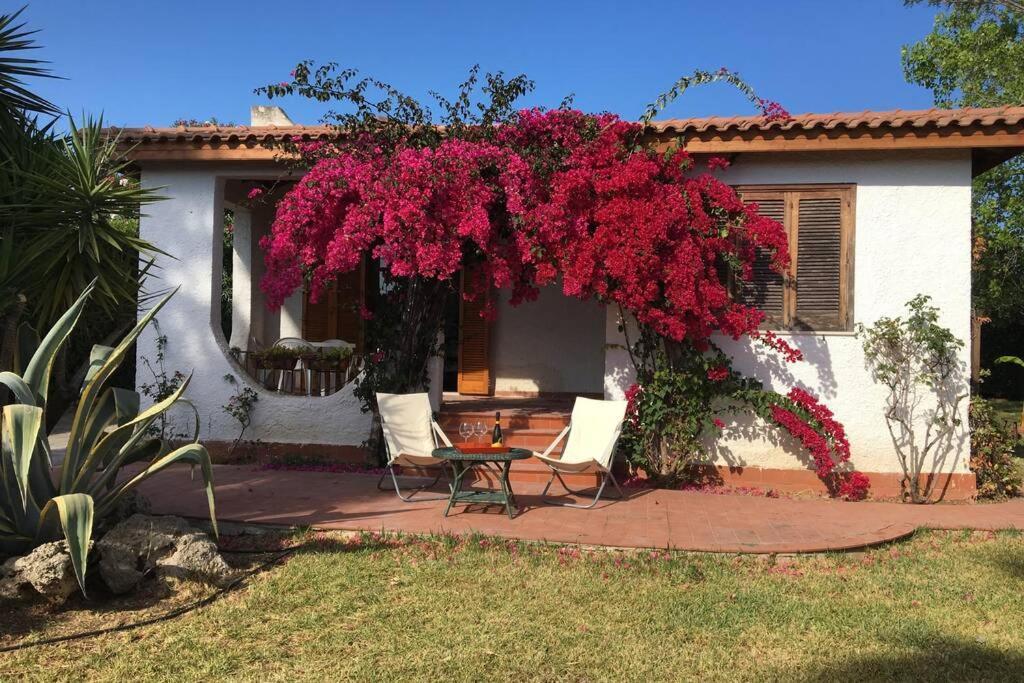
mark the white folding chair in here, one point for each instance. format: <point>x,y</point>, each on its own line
<point>593,431</point>
<point>410,437</point>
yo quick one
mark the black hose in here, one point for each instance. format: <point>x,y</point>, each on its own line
<point>235,583</point>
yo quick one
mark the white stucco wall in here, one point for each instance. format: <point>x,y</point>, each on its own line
<point>241,280</point>
<point>912,235</point>
<point>187,226</point>
<point>552,345</point>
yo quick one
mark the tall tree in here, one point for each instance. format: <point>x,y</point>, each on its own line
<point>974,57</point>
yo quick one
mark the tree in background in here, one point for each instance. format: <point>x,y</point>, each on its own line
<point>68,215</point>
<point>974,57</point>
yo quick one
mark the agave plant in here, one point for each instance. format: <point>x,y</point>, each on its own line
<point>108,432</point>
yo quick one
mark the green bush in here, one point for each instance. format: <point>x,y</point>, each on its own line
<point>992,452</point>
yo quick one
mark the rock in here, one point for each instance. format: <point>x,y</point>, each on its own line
<point>11,585</point>
<point>129,504</point>
<point>47,570</point>
<point>164,546</point>
<point>195,557</point>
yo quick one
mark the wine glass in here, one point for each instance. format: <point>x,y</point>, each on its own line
<point>480,430</point>
<point>466,431</point>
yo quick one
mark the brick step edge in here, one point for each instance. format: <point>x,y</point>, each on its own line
<point>555,422</point>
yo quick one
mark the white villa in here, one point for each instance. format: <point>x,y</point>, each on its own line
<point>877,205</point>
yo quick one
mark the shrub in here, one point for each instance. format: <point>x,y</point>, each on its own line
<point>680,389</point>
<point>916,359</point>
<point>109,430</point>
<point>992,452</point>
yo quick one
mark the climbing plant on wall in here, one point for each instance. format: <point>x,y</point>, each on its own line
<point>516,199</point>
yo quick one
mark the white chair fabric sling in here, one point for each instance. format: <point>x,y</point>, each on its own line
<point>593,431</point>
<point>410,436</point>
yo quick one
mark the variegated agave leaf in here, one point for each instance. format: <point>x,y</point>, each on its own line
<point>91,394</point>
<point>39,368</point>
<point>193,454</point>
<point>76,513</point>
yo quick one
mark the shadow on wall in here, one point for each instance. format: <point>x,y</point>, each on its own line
<point>771,366</point>
<point>745,428</point>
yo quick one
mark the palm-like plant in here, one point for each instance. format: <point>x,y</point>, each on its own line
<point>108,432</point>
<point>15,98</point>
<point>77,237</point>
<point>63,198</point>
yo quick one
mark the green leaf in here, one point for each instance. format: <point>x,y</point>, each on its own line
<point>126,434</point>
<point>194,454</point>
<point>37,374</point>
<point>76,518</point>
<point>22,392</point>
<point>97,356</point>
<point>21,427</point>
<point>1010,359</point>
<point>91,392</point>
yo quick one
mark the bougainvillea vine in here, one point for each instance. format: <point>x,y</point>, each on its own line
<point>525,199</point>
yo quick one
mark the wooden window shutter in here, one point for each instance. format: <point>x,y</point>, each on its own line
<point>819,264</point>
<point>316,317</point>
<point>766,288</point>
<point>816,293</point>
<point>337,314</point>
<point>349,321</point>
<point>474,348</point>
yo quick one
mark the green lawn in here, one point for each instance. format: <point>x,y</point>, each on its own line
<point>1006,409</point>
<point>945,606</point>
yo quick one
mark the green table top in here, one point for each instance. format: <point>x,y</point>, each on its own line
<point>456,454</point>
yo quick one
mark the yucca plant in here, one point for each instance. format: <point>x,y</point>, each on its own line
<point>108,432</point>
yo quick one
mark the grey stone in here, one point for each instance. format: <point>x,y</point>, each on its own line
<point>163,546</point>
<point>47,570</point>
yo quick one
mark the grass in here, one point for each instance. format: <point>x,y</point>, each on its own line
<point>942,605</point>
<point>1006,409</point>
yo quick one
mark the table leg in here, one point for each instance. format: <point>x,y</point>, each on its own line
<point>506,490</point>
<point>459,469</point>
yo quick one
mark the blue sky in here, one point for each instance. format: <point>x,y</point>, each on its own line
<point>150,62</point>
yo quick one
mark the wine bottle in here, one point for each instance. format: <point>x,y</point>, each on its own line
<point>496,434</point>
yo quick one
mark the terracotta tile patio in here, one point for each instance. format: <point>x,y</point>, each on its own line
<point>659,519</point>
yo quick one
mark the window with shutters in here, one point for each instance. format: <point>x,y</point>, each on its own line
<point>816,294</point>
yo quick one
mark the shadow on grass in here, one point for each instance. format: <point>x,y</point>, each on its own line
<point>33,618</point>
<point>938,659</point>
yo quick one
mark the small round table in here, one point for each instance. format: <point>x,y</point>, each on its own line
<point>463,463</point>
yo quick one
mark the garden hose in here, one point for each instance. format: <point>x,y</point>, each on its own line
<point>235,583</point>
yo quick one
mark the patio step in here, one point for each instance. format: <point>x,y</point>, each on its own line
<point>525,423</point>
<point>449,419</point>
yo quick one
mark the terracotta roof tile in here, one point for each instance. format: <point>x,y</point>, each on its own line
<point>998,128</point>
<point>896,118</point>
<point>221,134</point>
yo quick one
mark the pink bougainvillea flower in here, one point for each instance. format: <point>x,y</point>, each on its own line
<point>718,374</point>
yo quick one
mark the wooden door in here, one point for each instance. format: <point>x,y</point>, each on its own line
<point>474,348</point>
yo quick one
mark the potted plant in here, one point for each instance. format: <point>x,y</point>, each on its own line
<point>334,359</point>
<point>278,358</point>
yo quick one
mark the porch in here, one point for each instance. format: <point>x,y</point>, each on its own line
<point>647,518</point>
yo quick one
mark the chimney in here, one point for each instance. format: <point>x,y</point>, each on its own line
<point>266,115</point>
